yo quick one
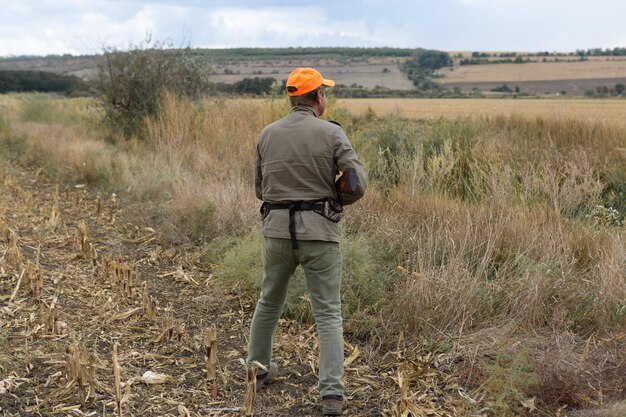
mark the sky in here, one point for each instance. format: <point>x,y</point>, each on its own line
<point>85,27</point>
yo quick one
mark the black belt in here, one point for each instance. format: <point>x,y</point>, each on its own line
<point>293,207</point>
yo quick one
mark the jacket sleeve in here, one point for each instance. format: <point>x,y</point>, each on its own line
<point>346,158</point>
<point>258,174</point>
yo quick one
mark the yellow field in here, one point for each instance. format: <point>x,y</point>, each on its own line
<point>609,111</point>
<point>538,71</point>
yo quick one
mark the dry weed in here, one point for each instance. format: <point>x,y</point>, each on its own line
<point>13,253</point>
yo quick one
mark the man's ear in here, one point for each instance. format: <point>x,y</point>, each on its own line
<point>320,95</point>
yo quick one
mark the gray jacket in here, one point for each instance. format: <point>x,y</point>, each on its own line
<point>297,159</point>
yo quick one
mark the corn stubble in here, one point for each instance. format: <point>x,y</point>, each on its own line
<point>112,208</point>
<point>54,219</point>
<point>13,253</point>
<point>84,248</point>
<point>250,389</point>
<point>212,359</point>
<point>118,381</point>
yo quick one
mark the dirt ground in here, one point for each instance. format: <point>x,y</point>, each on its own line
<point>77,278</point>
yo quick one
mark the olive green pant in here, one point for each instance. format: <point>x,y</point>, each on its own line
<point>321,262</point>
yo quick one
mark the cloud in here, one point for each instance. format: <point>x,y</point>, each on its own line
<point>85,26</point>
<point>293,26</point>
<point>34,45</point>
<point>619,41</point>
<point>81,26</point>
<point>489,2</point>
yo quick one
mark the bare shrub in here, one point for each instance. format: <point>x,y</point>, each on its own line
<point>579,374</point>
<point>132,82</point>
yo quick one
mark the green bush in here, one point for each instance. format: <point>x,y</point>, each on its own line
<point>367,276</point>
<point>41,81</point>
<point>241,263</point>
<point>383,145</point>
<point>365,279</point>
<point>196,221</point>
<point>510,375</point>
<point>438,155</point>
<point>256,86</point>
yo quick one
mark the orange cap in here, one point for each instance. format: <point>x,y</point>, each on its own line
<point>305,80</point>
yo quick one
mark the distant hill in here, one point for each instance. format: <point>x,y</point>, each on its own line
<point>593,72</point>
<point>366,67</point>
<point>81,66</point>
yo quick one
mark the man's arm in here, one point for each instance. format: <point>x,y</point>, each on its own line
<point>346,160</point>
<point>258,174</point>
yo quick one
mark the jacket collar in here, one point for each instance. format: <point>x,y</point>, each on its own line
<point>304,110</point>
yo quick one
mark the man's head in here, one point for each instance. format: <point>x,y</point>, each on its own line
<point>306,87</point>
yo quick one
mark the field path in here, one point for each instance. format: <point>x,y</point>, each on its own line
<point>75,280</point>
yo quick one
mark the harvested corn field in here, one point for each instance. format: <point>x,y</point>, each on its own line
<point>535,71</point>
<point>97,317</point>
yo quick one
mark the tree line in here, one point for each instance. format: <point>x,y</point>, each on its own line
<point>41,81</point>
<point>421,67</point>
<point>299,52</point>
<point>602,52</point>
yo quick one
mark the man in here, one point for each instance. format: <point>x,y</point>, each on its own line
<point>296,163</point>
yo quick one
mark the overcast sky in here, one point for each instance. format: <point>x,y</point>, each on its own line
<point>41,27</point>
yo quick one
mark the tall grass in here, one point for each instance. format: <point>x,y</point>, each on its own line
<point>492,222</point>
<point>491,218</point>
<point>192,175</point>
<point>471,228</point>
<point>206,153</point>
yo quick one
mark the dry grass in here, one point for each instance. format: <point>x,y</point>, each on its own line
<point>535,71</point>
<point>189,164</point>
<point>487,212</point>
<point>487,218</point>
<point>466,268</point>
<point>591,111</point>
